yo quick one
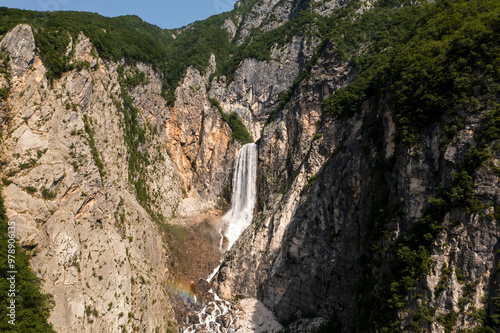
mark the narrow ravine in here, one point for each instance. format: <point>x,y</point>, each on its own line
<point>217,315</point>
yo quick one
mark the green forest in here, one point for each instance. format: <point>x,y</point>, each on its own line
<point>431,58</point>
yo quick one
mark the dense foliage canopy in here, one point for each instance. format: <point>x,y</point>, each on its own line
<point>432,58</point>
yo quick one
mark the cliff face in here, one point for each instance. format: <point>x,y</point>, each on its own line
<point>68,181</point>
<point>74,193</point>
<point>68,187</point>
<point>90,238</point>
<point>94,164</point>
<point>271,14</point>
<point>301,237</point>
<point>254,92</point>
<point>321,184</point>
<point>198,140</point>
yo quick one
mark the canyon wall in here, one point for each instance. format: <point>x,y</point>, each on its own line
<point>68,187</point>
<point>320,181</point>
<point>94,169</point>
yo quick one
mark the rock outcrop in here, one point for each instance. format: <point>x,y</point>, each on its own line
<point>254,92</point>
<point>198,139</point>
<point>268,15</point>
<point>20,43</point>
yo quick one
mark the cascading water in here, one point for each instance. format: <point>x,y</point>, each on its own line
<point>244,193</point>
<point>243,197</point>
<point>219,315</point>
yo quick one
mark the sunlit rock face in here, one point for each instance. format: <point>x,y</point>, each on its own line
<point>302,254</point>
<point>91,239</point>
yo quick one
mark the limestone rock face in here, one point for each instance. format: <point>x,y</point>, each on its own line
<point>316,187</point>
<point>198,139</point>
<point>230,27</point>
<point>65,163</point>
<point>254,92</point>
<point>257,318</point>
<point>271,14</point>
<point>96,248</point>
<point>20,44</point>
<point>254,18</point>
<point>326,8</point>
<point>78,207</point>
<point>83,50</point>
<point>268,15</point>
<point>259,250</point>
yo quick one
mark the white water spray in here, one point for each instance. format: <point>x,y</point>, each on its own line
<point>244,193</point>
<point>237,219</point>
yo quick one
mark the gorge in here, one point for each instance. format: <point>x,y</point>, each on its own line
<point>369,201</point>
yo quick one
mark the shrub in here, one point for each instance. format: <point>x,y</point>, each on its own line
<point>47,194</point>
<point>31,163</point>
<point>90,140</point>
<point>4,93</point>
<point>30,189</point>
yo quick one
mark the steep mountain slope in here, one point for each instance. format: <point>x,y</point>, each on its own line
<point>30,302</point>
<point>378,210</point>
<point>67,188</point>
<point>377,131</point>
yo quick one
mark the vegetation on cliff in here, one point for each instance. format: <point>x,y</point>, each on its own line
<point>432,59</point>
<point>435,63</point>
<point>114,38</point>
<point>128,37</point>
<point>239,131</point>
<point>32,307</point>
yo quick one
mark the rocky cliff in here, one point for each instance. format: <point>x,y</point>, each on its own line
<point>69,187</point>
<point>66,187</point>
<point>341,201</point>
<point>318,188</point>
<point>375,211</point>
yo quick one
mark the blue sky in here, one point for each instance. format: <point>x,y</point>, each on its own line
<point>165,14</point>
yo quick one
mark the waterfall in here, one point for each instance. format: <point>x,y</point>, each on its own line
<point>237,219</point>
<point>244,193</point>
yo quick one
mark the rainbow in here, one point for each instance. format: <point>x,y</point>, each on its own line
<point>183,290</point>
